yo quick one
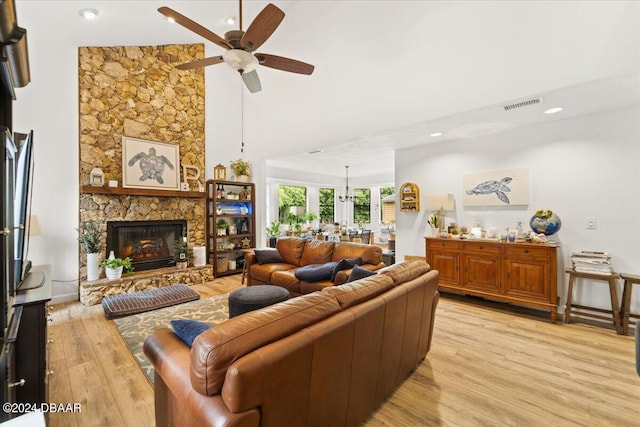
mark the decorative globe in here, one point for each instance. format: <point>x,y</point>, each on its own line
<point>547,226</point>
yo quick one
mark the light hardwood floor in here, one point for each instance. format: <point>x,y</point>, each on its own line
<point>489,365</point>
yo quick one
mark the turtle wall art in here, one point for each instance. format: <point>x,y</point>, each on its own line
<point>150,164</point>
<point>496,188</point>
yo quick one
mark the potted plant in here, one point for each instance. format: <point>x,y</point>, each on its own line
<point>113,267</point>
<point>221,227</point>
<point>434,222</point>
<point>89,237</point>
<point>181,253</point>
<point>241,169</point>
<point>273,231</point>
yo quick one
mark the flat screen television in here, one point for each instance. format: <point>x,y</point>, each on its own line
<point>7,189</point>
<point>24,279</point>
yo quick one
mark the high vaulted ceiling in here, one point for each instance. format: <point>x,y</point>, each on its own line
<point>388,73</point>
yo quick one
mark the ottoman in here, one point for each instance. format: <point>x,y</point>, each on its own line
<point>255,297</point>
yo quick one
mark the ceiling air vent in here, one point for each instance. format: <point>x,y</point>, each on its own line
<point>526,103</point>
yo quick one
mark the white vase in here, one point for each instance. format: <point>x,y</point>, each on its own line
<point>113,273</point>
<point>93,267</point>
<point>242,178</point>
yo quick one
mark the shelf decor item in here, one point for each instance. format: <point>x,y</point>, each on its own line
<point>220,172</point>
<point>545,221</point>
<point>181,253</point>
<point>241,170</point>
<point>96,177</point>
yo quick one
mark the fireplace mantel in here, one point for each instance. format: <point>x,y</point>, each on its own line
<point>119,191</point>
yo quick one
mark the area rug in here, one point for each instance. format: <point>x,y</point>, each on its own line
<point>134,329</point>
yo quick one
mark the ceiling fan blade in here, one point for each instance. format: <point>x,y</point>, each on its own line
<point>252,81</point>
<point>194,26</point>
<point>200,63</point>
<point>262,27</point>
<point>284,64</point>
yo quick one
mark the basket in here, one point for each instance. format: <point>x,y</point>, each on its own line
<point>222,264</point>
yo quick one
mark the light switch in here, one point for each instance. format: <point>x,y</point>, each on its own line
<point>592,223</point>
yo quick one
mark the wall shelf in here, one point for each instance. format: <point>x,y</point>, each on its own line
<point>120,191</point>
<point>409,197</point>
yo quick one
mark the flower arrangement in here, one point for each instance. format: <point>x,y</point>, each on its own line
<point>89,237</point>
<point>241,167</point>
<point>543,213</point>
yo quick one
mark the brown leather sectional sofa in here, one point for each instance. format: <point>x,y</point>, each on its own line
<point>297,252</point>
<point>325,358</point>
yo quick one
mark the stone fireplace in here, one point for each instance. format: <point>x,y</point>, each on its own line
<point>149,244</point>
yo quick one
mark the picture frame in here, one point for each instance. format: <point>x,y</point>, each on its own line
<point>150,164</point>
<point>508,187</point>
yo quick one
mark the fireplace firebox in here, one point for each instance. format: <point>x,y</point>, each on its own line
<point>149,244</point>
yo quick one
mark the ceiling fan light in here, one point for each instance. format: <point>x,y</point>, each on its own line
<point>240,60</point>
<point>230,20</point>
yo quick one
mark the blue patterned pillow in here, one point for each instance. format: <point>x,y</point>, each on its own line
<point>359,273</point>
<point>188,330</point>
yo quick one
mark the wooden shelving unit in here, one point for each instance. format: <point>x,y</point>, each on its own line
<point>239,213</point>
<point>118,191</point>
<point>409,197</point>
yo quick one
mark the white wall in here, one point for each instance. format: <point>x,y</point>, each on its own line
<point>584,167</point>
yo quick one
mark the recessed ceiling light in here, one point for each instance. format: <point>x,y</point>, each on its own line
<point>436,134</point>
<point>88,14</point>
<point>553,110</point>
<point>230,20</point>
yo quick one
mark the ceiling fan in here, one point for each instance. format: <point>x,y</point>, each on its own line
<point>240,46</point>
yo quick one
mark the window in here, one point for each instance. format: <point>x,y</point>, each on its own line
<point>327,205</point>
<point>290,196</point>
<point>362,205</point>
<point>388,205</point>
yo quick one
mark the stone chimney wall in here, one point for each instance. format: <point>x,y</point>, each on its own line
<point>137,92</point>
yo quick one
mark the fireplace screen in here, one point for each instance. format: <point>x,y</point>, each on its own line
<point>149,244</point>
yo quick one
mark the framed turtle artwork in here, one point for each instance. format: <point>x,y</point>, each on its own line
<point>509,187</point>
<point>150,164</point>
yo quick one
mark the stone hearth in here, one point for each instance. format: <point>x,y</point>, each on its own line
<point>91,293</point>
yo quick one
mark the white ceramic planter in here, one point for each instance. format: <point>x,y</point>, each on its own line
<point>243,178</point>
<point>113,273</point>
<point>93,267</point>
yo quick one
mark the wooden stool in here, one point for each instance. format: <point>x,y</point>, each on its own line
<point>614,312</point>
<point>625,308</point>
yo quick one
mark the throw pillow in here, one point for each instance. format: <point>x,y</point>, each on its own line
<point>345,264</point>
<point>315,272</point>
<point>188,330</point>
<point>359,273</point>
<point>267,256</point>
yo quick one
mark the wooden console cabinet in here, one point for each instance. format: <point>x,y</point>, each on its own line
<point>518,273</point>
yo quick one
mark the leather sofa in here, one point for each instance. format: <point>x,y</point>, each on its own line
<point>297,252</point>
<point>325,358</point>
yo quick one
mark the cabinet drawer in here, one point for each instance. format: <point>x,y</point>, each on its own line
<point>482,247</point>
<point>527,252</point>
<point>443,244</point>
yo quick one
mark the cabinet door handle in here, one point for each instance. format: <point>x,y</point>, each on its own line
<point>481,247</point>
<point>17,383</point>
<point>526,251</point>
<point>508,275</point>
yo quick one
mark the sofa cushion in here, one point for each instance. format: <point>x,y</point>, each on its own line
<point>317,252</point>
<point>262,273</point>
<point>287,279</point>
<point>290,249</point>
<point>187,330</point>
<point>370,254</point>
<point>354,293</point>
<point>270,255</point>
<point>217,348</point>
<point>405,271</point>
<point>315,272</point>
<point>359,273</point>
<point>345,264</point>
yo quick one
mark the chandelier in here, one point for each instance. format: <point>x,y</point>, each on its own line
<point>347,196</point>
